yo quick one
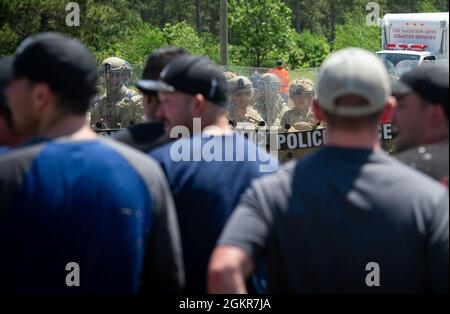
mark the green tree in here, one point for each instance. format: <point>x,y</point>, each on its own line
<point>355,33</point>
<point>262,30</point>
<point>315,48</point>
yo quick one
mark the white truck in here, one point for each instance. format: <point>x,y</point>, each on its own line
<point>413,38</point>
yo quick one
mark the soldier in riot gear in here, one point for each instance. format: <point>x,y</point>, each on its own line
<point>241,95</point>
<point>301,117</point>
<point>229,75</point>
<point>269,103</point>
<point>119,106</point>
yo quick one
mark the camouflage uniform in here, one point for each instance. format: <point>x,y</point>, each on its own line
<point>229,75</point>
<point>300,119</point>
<point>119,106</point>
<point>241,86</point>
<point>269,102</point>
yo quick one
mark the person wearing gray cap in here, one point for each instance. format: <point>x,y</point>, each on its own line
<point>421,120</point>
<point>348,218</point>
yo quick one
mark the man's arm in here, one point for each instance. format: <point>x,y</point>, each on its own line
<point>229,267</point>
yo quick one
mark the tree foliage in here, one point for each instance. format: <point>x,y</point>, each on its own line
<point>300,32</point>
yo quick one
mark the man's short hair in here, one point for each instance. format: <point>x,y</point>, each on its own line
<point>352,124</point>
<point>158,60</point>
<point>155,64</point>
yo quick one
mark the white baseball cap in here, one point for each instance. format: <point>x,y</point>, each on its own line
<point>353,71</point>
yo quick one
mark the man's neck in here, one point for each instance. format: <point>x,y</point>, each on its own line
<point>73,126</point>
<point>218,127</point>
<point>344,139</point>
<point>436,137</point>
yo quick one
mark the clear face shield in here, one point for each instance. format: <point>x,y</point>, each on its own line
<point>269,89</point>
<point>242,98</point>
<point>113,79</point>
<point>302,101</point>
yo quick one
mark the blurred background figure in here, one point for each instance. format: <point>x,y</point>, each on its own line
<point>118,106</point>
<point>229,75</point>
<point>421,120</point>
<point>301,117</point>
<point>146,136</point>
<point>8,136</point>
<point>269,103</point>
<point>255,78</point>
<point>283,75</point>
<point>241,96</point>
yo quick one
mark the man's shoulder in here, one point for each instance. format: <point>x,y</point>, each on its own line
<point>99,101</point>
<point>140,135</point>
<point>21,153</point>
<point>430,159</point>
<point>276,188</point>
<point>424,152</point>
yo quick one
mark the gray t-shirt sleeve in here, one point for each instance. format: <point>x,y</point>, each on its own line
<point>437,247</point>
<point>248,228</point>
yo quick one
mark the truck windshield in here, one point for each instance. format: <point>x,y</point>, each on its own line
<point>395,58</point>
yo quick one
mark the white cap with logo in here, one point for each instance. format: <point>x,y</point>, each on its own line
<point>353,71</point>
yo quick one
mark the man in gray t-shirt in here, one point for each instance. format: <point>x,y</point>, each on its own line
<point>347,219</point>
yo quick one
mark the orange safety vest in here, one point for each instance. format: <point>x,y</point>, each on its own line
<point>283,74</point>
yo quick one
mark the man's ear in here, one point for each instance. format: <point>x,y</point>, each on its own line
<point>41,98</point>
<point>318,112</point>
<point>438,114</point>
<point>200,105</point>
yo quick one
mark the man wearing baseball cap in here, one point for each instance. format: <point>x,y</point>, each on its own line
<point>149,135</point>
<point>421,120</point>
<point>348,218</point>
<point>210,166</point>
<point>83,211</point>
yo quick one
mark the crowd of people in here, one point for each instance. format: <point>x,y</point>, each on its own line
<point>180,203</point>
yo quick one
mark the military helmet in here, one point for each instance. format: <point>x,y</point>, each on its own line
<point>229,75</point>
<point>239,83</point>
<point>301,86</point>
<point>270,80</point>
<point>116,65</point>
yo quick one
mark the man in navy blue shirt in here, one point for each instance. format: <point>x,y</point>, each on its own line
<point>78,214</point>
<point>348,218</point>
<point>210,166</point>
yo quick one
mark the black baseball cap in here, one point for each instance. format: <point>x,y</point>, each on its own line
<point>191,75</point>
<point>429,81</point>
<point>65,64</point>
<point>156,62</point>
<point>6,73</point>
